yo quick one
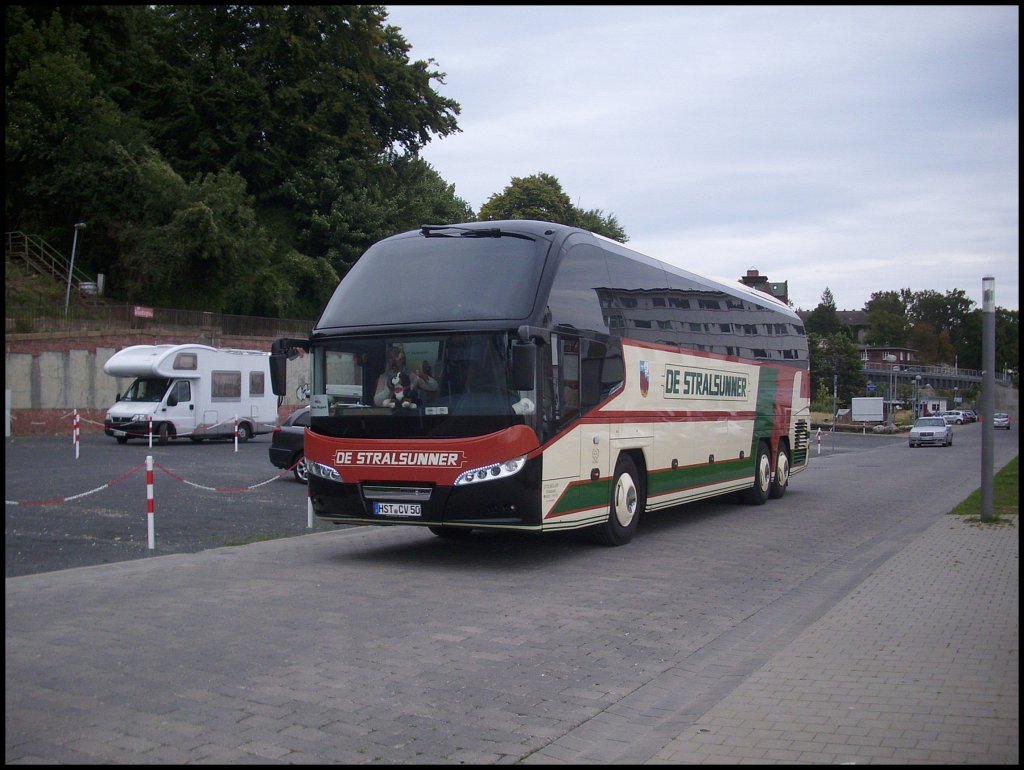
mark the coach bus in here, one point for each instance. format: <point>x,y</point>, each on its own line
<point>523,375</point>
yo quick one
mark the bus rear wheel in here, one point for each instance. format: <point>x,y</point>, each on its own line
<point>626,504</point>
<point>780,481</point>
<point>760,489</point>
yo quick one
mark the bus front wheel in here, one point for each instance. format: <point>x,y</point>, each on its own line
<point>759,490</point>
<point>626,504</point>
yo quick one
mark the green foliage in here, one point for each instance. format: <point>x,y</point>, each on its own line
<point>229,158</point>
<point>835,355</point>
<point>541,197</point>
<point>534,197</point>
<point>1005,496</point>
<point>595,221</point>
<point>824,319</point>
<point>887,317</point>
<point>933,347</point>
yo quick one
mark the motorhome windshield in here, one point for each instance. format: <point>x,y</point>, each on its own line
<point>420,279</point>
<point>146,389</point>
<point>445,385</point>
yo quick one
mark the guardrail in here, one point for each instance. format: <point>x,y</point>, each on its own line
<point>114,318</point>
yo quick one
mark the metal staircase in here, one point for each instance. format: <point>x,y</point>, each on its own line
<point>41,257</point>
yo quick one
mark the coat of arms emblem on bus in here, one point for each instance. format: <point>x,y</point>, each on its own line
<point>645,378</point>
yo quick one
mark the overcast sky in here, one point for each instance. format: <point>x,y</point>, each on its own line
<point>858,148</point>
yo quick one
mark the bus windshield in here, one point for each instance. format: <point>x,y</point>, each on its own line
<point>418,279</point>
<point>432,386</point>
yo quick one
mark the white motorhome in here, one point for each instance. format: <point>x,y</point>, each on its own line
<point>190,390</point>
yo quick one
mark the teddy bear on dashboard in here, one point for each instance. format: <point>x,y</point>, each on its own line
<point>401,392</point>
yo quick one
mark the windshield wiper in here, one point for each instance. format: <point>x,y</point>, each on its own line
<point>433,231</point>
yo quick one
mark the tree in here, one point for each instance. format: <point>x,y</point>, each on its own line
<point>932,346</point>
<point>948,312</point>
<point>534,197</point>
<point>887,319</point>
<point>541,197</point>
<point>271,144</point>
<point>836,355</point>
<point>824,319</point>
<point>595,221</point>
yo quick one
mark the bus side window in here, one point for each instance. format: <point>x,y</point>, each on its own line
<point>601,372</point>
<point>569,378</point>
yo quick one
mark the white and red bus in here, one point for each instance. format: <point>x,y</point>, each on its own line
<point>550,379</point>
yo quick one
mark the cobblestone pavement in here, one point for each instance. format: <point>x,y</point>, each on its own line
<point>919,665</point>
<point>846,623</point>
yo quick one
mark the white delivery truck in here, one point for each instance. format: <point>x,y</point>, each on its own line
<point>191,390</point>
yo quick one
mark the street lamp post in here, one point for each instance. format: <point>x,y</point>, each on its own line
<point>71,266</point>
<point>988,395</point>
<point>891,359</point>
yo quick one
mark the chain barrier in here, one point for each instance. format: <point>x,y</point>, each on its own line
<point>140,466</point>
<point>57,500</point>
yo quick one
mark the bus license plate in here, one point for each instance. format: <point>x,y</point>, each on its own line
<point>396,509</point>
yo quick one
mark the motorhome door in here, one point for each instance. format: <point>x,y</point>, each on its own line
<point>179,407</point>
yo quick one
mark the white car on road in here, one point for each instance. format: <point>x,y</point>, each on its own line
<point>955,416</point>
<point>931,430</point>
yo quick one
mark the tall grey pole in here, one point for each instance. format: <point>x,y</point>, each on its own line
<point>71,266</point>
<point>988,394</point>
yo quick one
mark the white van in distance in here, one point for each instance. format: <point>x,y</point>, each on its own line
<point>191,390</point>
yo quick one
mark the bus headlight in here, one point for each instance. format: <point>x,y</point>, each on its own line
<point>323,471</point>
<point>491,472</point>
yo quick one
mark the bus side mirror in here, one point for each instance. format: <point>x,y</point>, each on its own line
<point>524,366</point>
<point>283,350</point>
<point>278,373</point>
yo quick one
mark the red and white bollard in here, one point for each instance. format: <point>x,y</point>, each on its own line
<point>236,432</point>
<point>151,431</point>
<point>819,441</point>
<point>150,526</point>
<point>76,435</point>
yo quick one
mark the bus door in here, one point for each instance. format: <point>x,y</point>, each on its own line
<point>582,369</point>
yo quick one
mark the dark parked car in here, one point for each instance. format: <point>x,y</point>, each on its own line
<point>286,443</point>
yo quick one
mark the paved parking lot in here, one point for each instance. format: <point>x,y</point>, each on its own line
<point>846,623</point>
<point>98,515</point>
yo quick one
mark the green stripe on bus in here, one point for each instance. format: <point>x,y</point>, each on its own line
<point>595,494</point>
<point>580,496</point>
<point>767,392</point>
<point>681,479</point>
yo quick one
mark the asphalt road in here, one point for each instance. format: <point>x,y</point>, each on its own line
<point>204,496</point>
<point>80,512</point>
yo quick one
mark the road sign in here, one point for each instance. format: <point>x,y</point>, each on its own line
<point>872,387</point>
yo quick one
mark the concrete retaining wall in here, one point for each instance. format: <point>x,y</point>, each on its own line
<point>50,376</point>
